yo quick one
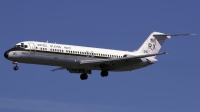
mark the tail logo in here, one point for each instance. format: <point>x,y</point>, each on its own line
<point>152,45</point>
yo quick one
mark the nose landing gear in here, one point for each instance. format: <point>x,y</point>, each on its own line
<point>16,66</point>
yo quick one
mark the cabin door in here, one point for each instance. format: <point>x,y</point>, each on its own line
<point>32,47</point>
<point>32,50</point>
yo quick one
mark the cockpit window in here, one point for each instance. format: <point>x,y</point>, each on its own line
<point>17,46</point>
<point>21,46</point>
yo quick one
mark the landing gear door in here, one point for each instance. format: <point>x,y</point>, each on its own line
<point>32,47</point>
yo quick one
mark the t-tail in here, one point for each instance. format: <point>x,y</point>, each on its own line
<point>154,42</point>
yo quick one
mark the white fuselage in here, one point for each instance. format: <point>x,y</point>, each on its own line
<point>70,56</point>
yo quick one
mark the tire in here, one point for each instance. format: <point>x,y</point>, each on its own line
<point>15,68</point>
<point>104,73</point>
<point>83,76</point>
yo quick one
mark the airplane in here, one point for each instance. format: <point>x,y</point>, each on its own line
<point>81,59</point>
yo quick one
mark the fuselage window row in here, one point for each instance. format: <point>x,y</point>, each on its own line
<point>93,54</point>
<point>83,53</point>
<point>44,49</point>
<point>56,50</point>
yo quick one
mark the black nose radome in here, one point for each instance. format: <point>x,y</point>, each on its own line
<point>6,54</point>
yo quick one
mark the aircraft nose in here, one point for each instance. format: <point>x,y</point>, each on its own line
<point>6,54</point>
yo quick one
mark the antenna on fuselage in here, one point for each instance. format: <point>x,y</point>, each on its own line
<point>47,41</point>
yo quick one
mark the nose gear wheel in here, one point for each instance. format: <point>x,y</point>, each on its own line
<point>16,66</point>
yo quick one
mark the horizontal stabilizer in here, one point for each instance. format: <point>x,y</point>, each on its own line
<point>173,34</point>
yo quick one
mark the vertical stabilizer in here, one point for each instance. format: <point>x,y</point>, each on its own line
<point>153,43</point>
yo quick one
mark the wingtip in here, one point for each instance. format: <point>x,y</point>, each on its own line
<point>165,52</point>
<point>189,34</point>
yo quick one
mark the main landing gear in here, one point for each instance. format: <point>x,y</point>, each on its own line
<point>104,70</point>
<point>15,67</point>
<point>104,73</point>
<point>83,76</point>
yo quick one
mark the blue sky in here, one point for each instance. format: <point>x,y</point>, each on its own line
<point>170,85</point>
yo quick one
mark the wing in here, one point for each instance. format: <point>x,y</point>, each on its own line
<point>115,60</point>
<point>61,68</point>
